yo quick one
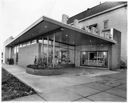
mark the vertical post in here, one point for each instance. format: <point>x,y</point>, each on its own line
<point>53,50</point>
<point>47,49</point>
<point>39,49</point>
<point>16,54</point>
<point>75,55</point>
<point>97,58</point>
<point>43,49</point>
<point>10,52</point>
<point>88,57</point>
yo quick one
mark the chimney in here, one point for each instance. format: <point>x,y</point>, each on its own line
<point>65,18</point>
<point>76,24</point>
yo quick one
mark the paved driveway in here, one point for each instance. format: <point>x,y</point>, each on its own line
<point>110,87</point>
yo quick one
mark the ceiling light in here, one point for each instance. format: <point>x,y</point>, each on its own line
<point>84,53</point>
<point>45,26</point>
<point>104,53</point>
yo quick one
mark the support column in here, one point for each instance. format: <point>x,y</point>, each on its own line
<point>43,49</point>
<point>15,48</point>
<point>115,51</point>
<point>97,59</point>
<point>10,52</point>
<point>53,51</point>
<point>47,49</point>
<point>39,49</point>
<point>17,54</point>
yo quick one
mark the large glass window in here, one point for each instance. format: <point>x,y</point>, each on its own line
<point>64,54</point>
<point>94,58</point>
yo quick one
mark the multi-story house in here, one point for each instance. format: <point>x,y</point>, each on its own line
<point>102,17</point>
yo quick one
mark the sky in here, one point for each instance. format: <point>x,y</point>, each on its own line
<point>17,15</point>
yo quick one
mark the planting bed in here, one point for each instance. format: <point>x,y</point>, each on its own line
<point>12,88</point>
<point>44,72</point>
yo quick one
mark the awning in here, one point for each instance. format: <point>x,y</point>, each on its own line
<point>64,33</point>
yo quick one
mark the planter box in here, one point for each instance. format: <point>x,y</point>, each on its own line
<point>67,65</point>
<point>44,72</point>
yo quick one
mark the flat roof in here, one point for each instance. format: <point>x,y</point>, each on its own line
<point>45,26</point>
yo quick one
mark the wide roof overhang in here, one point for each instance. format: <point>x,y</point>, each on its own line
<point>64,34</point>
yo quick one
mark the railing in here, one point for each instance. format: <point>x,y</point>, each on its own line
<point>106,33</point>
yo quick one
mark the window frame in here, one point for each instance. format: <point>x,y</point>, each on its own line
<point>106,24</point>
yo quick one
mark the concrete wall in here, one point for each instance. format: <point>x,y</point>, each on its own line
<point>27,54</point>
<point>118,20</point>
<point>115,51</point>
<point>8,53</point>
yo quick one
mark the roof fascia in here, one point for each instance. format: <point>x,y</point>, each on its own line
<point>76,29</point>
<point>27,29</point>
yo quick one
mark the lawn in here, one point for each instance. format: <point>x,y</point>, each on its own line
<point>13,88</point>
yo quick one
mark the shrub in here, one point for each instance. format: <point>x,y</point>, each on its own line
<point>29,66</point>
<point>36,66</point>
<point>123,64</point>
<point>10,61</point>
<point>41,67</point>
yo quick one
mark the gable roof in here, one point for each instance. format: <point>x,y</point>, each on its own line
<point>95,10</point>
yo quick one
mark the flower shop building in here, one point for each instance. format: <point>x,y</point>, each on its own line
<point>59,43</point>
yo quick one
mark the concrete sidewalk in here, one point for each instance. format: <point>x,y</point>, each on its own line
<point>110,87</point>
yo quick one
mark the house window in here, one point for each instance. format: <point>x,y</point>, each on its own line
<point>105,24</point>
<point>93,28</point>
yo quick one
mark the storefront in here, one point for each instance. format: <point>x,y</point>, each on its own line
<point>61,44</point>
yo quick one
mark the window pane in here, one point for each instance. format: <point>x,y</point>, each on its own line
<point>95,58</point>
<point>84,58</point>
<point>105,24</point>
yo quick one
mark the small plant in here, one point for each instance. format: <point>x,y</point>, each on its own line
<point>35,61</point>
<point>10,61</point>
<point>123,64</point>
<point>40,62</point>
